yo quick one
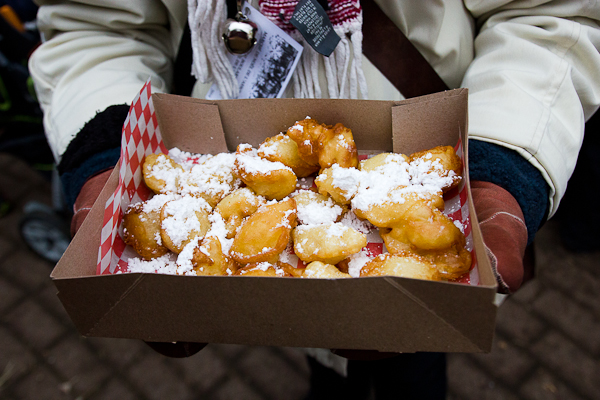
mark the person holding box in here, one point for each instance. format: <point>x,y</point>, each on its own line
<point>531,69</point>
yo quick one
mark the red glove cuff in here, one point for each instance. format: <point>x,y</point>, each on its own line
<point>87,196</point>
<point>504,232</point>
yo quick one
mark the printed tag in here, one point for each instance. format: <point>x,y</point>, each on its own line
<point>312,22</point>
<point>266,70</point>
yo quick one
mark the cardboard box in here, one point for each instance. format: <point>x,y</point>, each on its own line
<point>380,313</point>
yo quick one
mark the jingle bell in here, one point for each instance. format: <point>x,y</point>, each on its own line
<point>239,35</point>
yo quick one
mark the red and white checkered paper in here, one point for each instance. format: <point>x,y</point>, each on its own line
<point>141,137</point>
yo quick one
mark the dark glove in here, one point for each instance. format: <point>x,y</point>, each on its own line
<point>363,355</point>
<point>176,349</point>
<point>504,233</point>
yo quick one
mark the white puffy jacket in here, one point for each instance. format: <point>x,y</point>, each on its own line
<point>532,66</point>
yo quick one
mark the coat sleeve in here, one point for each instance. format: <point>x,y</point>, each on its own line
<point>534,81</point>
<point>96,54</point>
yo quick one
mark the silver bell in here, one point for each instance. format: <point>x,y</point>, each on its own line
<point>240,33</point>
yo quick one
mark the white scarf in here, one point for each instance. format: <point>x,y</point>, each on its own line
<point>343,68</point>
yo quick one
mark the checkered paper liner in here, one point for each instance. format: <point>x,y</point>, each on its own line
<point>141,137</point>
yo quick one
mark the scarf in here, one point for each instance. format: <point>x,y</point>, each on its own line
<point>343,68</point>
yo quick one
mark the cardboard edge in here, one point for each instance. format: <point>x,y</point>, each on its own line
<point>480,339</point>
<point>77,253</point>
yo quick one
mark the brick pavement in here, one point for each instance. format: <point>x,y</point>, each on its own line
<point>547,342</point>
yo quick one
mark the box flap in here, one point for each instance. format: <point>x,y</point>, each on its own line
<point>382,313</point>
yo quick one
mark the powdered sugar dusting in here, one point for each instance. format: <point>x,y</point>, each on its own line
<point>160,265</point>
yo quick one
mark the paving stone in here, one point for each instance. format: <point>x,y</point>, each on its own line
<point>581,285</point>
<point>50,300</point>
<point>506,362</point>
<point>153,377</point>
<point>78,365</point>
<point>543,386</point>
<point>16,179</point>
<point>15,359</point>
<point>204,369</point>
<point>27,270</point>
<point>588,262</point>
<point>229,350</point>
<point>528,292</point>
<point>468,382</point>
<point>114,389</point>
<point>121,352</point>
<point>9,294</point>
<point>577,322</point>
<point>7,244</point>
<point>34,325</point>
<point>518,324</point>
<point>41,384</point>
<point>10,229</point>
<point>235,388</point>
<point>569,362</point>
<point>276,377</point>
<point>297,357</point>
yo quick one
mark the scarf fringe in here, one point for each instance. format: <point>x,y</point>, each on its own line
<point>343,68</point>
<point>210,62</point>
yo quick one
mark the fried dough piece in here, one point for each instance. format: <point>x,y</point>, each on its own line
<point>262,269</point>
<point>236,206</point>
<point>306,134</point>
<point>328,243</point>
<point>208,258</point>
<point>315,208</point>
<point>450,164</point>
<point>265,234</point>
<point>444,246</point>
<point>182,220</point>
<point>317,269</point>
<point>430,232</point>
<point>413,207</point>
<point>273,180</point>
<point>324,145</point>
<point>406,266</point>
<point>161,173</point>
<point>336,146</point>
<point>212,180</point>
<point>292,271</point>
<point>380,160</point>
<point>451,263</point>
<point>141,230</point>
<point>341,194</point>
<point>283,149</point>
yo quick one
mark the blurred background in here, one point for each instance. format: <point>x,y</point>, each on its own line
<point>547,343</point>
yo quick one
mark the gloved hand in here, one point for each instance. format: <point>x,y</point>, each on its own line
<point>504,233</point>
<point>87,196</point>
<point>83,204</point>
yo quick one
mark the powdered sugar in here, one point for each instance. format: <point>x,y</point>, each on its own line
<point>160,265</point>
<point>219,230</point>
<point>317,211</point>
<point>180,219</point>
<point>249,161</point>
<point>391,181</point>
<point>213,177</point>
<point>357,262</point>
<point>163,170</point>
<point>352,221</point>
